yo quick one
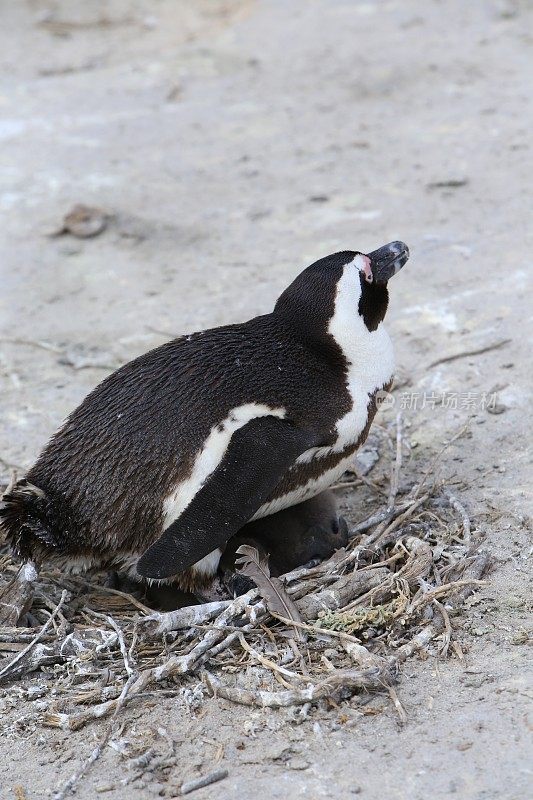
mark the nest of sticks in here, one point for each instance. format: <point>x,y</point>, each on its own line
<point>338,630</point>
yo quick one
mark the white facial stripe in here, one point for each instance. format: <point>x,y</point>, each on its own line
<point>369,355</point>
<point>363,265</point>
<point>210,456</point>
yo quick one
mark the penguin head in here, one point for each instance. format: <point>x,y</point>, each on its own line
<point>375,271</point>
<point>350,284</point>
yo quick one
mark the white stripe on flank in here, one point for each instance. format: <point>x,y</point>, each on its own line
<point>211,455</point>
<point>307,490</point>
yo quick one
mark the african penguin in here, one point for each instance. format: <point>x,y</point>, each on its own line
<point>172,454</point>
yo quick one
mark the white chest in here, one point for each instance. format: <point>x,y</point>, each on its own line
<point>349,427</point>
<point>371,366</point>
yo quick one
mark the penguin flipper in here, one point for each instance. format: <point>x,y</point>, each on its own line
<point>257,457</point>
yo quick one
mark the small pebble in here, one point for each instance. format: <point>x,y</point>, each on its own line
<point>464,746</point>
<point>298,764</point>
<point>514,601</point>
<point>520,637</point>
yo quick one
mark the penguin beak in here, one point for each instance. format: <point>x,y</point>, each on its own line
<point>386,261</point>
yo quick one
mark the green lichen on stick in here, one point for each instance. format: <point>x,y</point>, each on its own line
<point>362,618</point>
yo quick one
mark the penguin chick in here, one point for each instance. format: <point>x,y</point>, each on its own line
<point>307,532</point>
<point>171,455</point>
<point>294,536</point>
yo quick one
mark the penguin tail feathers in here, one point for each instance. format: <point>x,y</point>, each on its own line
<point>26,514</point>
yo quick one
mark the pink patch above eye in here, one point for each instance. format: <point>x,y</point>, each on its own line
<point>366,269</point>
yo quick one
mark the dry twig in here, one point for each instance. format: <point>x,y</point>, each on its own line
<point>205,780</point>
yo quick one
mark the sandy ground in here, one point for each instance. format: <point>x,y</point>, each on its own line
<point>235,142</point>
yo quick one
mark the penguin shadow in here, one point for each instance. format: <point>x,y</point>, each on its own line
<point>302,535</point>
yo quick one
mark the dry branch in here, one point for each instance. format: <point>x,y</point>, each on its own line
<point>340,593</point>
<point>159,623</point>
<point>465,353</point>
<point>473,573</point>
<point>33,655</point>
<point>351,680</point>
<point>461,510</point>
